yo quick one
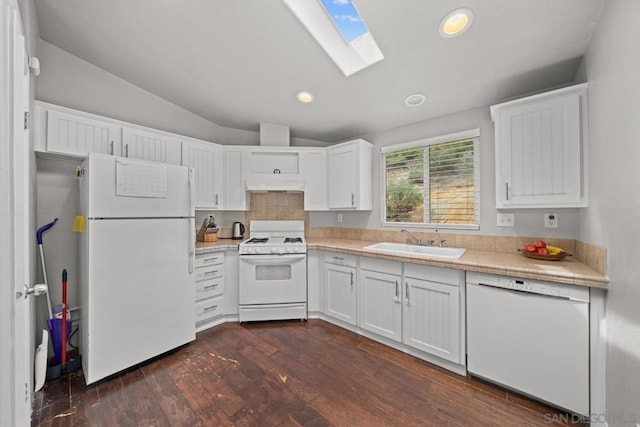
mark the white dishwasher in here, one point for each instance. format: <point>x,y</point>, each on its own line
<point>530,336</point>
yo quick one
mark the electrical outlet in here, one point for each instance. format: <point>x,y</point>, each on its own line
<point>551,220</point>
<point>506,219</point>
<point>339,217</point>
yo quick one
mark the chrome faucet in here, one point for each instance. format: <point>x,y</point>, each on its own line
<point>430,242</point>
<point>409,240</point>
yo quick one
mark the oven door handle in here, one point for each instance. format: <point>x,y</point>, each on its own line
<point>271,259</point>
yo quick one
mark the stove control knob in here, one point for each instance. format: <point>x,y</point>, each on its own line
<point>251,250</point>
<point>273,250</point>
<point>289,250</point>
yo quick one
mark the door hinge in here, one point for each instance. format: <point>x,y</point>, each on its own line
<point>26,120</point>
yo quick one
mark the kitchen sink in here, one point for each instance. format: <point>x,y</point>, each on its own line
<point>415,250</point>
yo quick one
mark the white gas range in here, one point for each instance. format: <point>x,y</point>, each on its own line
<point>273,272</point>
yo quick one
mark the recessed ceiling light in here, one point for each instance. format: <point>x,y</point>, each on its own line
<point>415,100</point>
<point>305,97</point>
<point>456,23</point>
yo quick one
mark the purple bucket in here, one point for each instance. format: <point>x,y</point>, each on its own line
<point>55,327</point>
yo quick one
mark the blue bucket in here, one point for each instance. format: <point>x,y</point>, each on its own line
<point>55,327</point>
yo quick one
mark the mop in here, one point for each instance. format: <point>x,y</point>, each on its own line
<point>41,351</point>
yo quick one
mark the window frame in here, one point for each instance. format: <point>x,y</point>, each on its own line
<point>452,137</point>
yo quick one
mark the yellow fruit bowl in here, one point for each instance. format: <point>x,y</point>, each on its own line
<point>545,257</point>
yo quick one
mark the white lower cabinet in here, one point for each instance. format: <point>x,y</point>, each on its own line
<point>340,287</point>
<point>380,297</point>
<point>431,312</point>
<point>209,278</point>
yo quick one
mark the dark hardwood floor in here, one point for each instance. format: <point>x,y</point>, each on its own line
<point>285,373</point>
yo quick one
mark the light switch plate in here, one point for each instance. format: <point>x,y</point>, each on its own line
<point>551,220</point>
<point>506,219</point>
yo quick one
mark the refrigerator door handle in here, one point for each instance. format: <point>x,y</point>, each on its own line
<point>192,243</point>
<point>191,192</point>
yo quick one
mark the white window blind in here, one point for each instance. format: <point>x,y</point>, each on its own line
<point>433,182</point>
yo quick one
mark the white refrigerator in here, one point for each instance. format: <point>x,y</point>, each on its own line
<point>137,284</point>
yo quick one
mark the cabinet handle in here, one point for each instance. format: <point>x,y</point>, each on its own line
<point>216,200</point>
<point>211,286</point>
<point>213,307</point>
<point>111,147</point>
<point>406,291</point>
<point>506,185</point>
<point>126,150</point>
<point>397,298</point>
<point>206,273</point>
<point>351,273</point>
<point>210,259</point>
<point>337,258</point>
<point>353,199</point>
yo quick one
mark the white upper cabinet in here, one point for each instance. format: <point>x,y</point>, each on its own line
<point>206,159</point>
<point>541,150</point>
<point>149,145</point>
<point>78,135</point>
<point>349,175</point>
<point>235,194</point>
<point>313,168</point>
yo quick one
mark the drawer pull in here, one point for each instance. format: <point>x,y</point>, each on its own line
<point>338,258</point>
<point>206,273</point>
<point>210,287</point>
<point>210,259</point>
<point>213,307</point>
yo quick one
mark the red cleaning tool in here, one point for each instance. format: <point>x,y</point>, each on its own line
<point>64,316</point>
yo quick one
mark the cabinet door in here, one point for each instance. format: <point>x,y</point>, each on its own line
<point>156,147</point>
<point>235,194</point>
<point>343,177</point>
<point>77,135</point>
<point>206,160</point>
<point>380,303</point>
<point>539,153</point>
<point>313,169</point>
<point>431,318</point>
<point>340,292</point>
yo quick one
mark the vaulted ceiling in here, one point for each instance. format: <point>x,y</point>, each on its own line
<point>241,62</point>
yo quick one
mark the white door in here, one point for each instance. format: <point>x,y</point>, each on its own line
<point>156,147</point>
<point>343,176</point>
<point>125,188</point>
<point>235,195</point>
<point>77,135</point>
<point>431,318</point>
<point>313,168</point>
<point>15,311</point>
<point>138,300</point>
<point>206,161</point>
<point>340,292</point>
<point>380,304</point>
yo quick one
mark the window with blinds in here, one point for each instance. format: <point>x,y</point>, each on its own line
<point>433,182</point>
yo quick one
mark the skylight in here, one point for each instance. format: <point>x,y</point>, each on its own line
<point>338,28</point>
<point>346,17</point>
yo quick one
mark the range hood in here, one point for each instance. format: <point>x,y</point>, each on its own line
<point>275,183</point>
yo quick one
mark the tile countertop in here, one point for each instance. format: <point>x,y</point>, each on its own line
<point>218,246</point>
<point>507,264</point>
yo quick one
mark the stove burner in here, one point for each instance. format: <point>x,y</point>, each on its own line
<point>293,240</point>
<point>256,240</point>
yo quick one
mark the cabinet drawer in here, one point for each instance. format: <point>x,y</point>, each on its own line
<point>209,272</point>
<point>209,288</point>
<point>340,259</point>
<point>209,259</point>
<point>381,265</point>
<point>209,308</point>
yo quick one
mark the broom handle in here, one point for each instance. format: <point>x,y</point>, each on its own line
<point>64,316</point>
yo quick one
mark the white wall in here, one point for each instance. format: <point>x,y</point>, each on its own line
<point>612,67</point>
<point>72,82</point>
<point>528,222</point>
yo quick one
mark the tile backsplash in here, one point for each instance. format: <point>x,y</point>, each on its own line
<point>277,206</point>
